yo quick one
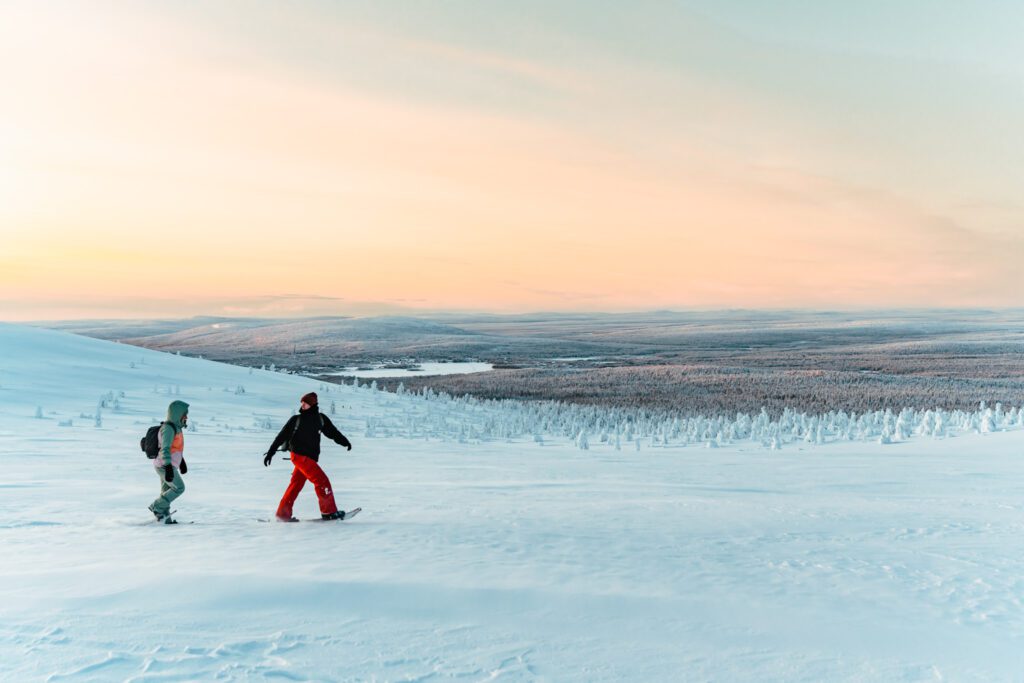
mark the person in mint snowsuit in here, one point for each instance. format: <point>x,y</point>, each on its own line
<point>301,436</point>
<point>169,462</point>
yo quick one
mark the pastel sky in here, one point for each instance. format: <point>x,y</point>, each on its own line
<point>290,158</point>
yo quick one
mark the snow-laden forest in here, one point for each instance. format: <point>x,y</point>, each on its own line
<point>429,414</point>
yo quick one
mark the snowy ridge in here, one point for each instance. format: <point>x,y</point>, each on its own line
<point>490,556</point>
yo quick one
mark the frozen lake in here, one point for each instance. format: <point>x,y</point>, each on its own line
<point>423,370</point>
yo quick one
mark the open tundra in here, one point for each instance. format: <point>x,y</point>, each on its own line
<point>482,557</point>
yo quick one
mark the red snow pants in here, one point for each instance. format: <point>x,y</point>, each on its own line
<point>307,468</point>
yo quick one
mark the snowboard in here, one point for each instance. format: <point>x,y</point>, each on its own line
<point>348,515</point>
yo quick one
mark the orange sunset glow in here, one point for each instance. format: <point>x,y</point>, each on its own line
<point>317,159</point>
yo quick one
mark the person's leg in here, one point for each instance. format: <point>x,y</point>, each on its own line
<point>174,488</point>
<point>169,490</point>
<point>298,480</point>
<point>160,506</point>
<point>324,494</point>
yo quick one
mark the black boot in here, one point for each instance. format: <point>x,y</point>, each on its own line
<point>162,518</point>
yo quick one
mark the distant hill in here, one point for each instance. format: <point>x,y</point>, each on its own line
<point>116,330</point>
<point>334,338</point>
<point>312,343</point>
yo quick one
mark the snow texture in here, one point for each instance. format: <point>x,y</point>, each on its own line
<point>491,544</point>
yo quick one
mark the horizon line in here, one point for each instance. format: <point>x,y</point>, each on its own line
<point>427,313</point>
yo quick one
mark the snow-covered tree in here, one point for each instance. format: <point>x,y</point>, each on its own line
<point>988,422</point>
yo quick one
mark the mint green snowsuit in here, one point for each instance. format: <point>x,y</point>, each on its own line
<point>171,445</point>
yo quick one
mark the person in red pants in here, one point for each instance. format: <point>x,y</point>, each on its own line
<point>301,436</point>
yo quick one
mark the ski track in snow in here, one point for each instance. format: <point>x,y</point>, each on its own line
<point>495,561</point>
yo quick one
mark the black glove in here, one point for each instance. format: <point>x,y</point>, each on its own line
<point>183,468</point>
<point>168,473</point>
<point>267,458</point>
<point>345,443</point>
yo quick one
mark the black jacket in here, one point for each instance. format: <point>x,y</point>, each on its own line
<point>306,439</point>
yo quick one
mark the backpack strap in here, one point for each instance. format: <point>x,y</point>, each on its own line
<point>298,418</point>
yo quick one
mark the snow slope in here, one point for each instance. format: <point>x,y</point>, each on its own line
<point>501,560</point>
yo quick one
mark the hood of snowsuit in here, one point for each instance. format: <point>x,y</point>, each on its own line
<point>176,411</point>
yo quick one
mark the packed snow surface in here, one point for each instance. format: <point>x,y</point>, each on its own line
<point>477,558</point>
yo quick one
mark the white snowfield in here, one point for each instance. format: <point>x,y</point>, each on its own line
<point>489,547</point>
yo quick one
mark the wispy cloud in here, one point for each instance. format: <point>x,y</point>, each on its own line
<point>636,157</point>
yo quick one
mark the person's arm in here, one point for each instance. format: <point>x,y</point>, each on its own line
<point>332,433</point>
<point>283,435</point>
<point>167,434</point>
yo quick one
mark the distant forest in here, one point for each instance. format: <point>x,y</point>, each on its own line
<point>689,390</point>
<point>689,363</point>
